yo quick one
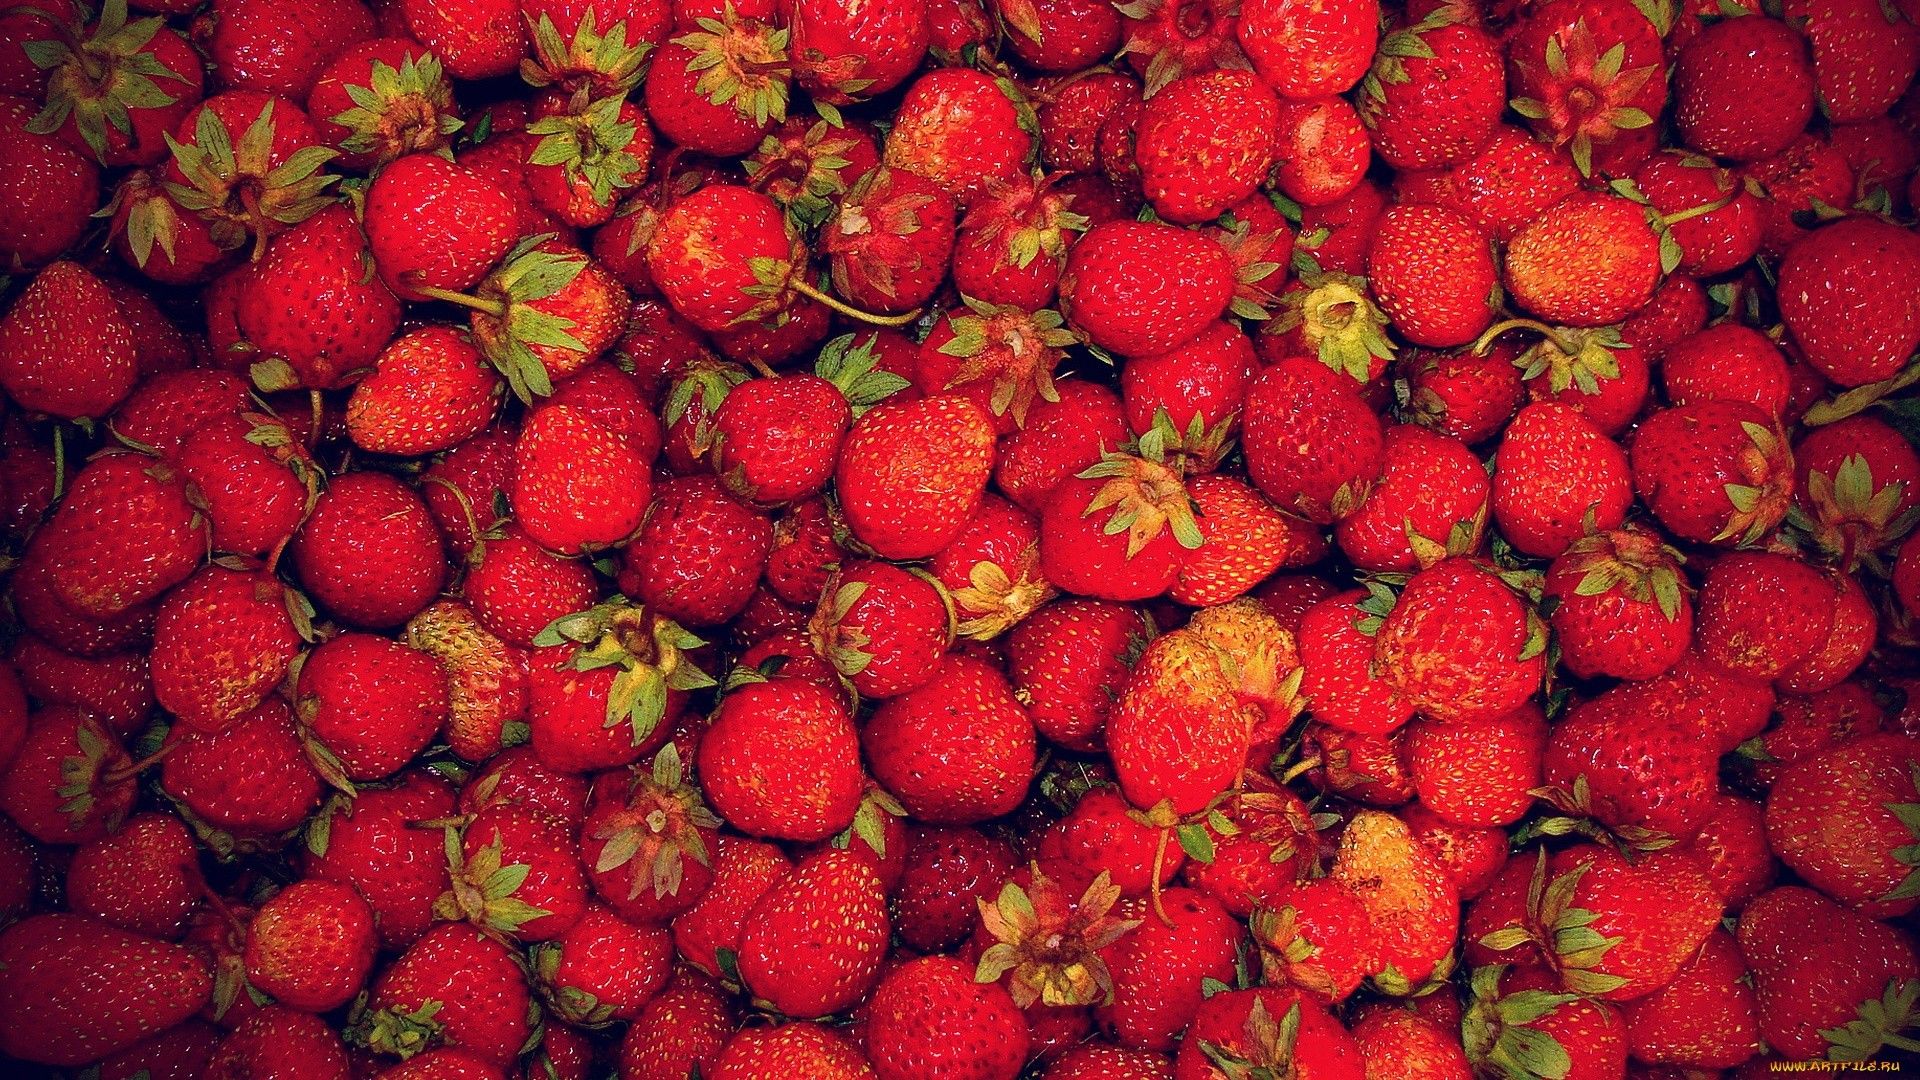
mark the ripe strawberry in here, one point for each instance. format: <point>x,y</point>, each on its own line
<point>1337,662</point>
<point>47,203</point>
<point>370,704</point>
<point>70,780</point>
<point>245,187</point>
<point>883,628</point>
<point>720,85</point>
<point>1321,152</point>
<point>889,241</point>
<point>1732,847</point>
<point>1067,662</point>
<point>1061,439</point>
<point>1632,765</point>
<point>1193,394</point>
<point>517,589</point>
<point>275,1039</point>
<point>1463,394</point>
<point>114,87</point>
<point>486,677</point>
<point>1404,1042</point>
<point>1518,1024</point>
<point>370,552</point>
<point>125,533</point>
<point>1707,210</point>
<point>542,315</point>
<point>455,987</point>
<point>515,871</point>
<point>607,684</point>
<point>761,727</point>
<point>1431,306</point>
<point>1460,644</point>
<point>1846,267</point>
<point>992,570</point>
<point>578,485</point>
<point>1809,174</point>
<point>602,969</point>
<point>1244,539</point>
<point>700,554</point>
<point>1761,613</point>
<point>1713,472</point>
<point>221,642</point>
<point>999,357</point>
<point>682,1029</point>
<point>1143,288</point>
<point>1431,501</point>
<point>115,687</point>
<point>1306,54</point>
<point>309,303</point>
<point>431,223</point>
<point>1866,970</point>
<point>1501,186</point>
<point>1562,64</point>
<point>1623,607</point>
<point>1271,1029</point>
<point>369,843</point>
<point>84,989</point>
<point>1411,901</point>
<point>430,390</point>
<point>910,474</point>
<point>251,779</point>
<point>1118,530</point>
<point>1071,114</point>
<point>144,877</point>
<point>1478,772</point>
<point>66,312</point>
<point>1727,361</point>
<point>477,39</point>
<point>1743,89</point>
<point>252,478</point>
<point>1434,93</point>
<point>1178,734</point>
<point>1588,260</point>
<point>647,840</point>
<point>792,1049</point>
<point>929,1017</point>
<point>1317,939</point>
<point>1012,243</point>
<point>1165,39</point>
<point>960,129</point>
<point>382,99</point>
<point>813,945</point>
<point>1706,1018</point>
<point>1224,119</point>
<point>956,750</point>
<point>743,871</point>
<point>589,152</point>
<point>1159,965</point>
<point>1834,819</point>
<point>311,945</point>
<point>1556,478</point>
<point>1312,444</point>
<point>1864,56</point>
<point>167,407</point>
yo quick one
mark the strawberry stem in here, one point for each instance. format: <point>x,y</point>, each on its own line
<point>1704,208</point>
<point>495,308</point>
<point>135,768</point>
<point>1159,863</point>
<point>1487,339</point>
<point>800,286</point>
<point>1304,765</point>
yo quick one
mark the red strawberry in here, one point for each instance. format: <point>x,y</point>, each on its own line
<point>1707,1017</point>
<point>1853,480</point>
<point>958,749</point>
<point>1730,361</point>
<point>1434,94</point>
<point>1633,765</point>
<point>960,129</point>
<point>371,703</point>
<point>1224,119</point>
<point>1714,472</point>
<point>889,241</point>
<point>251,779</point>
<point>515,872</point>
<point>762,728</point>
<point>1479,772</point>
<point>277,1039</point>
<point>1318,940</point>
<point>486,677</point>
<point>370,552</point>
<point>370,844</point>
<point>66,312</point>
<point>1588,260</point>
<point>116,87</point>
<point>577,483</point>
<point>930,1017</point>
<point>47,204</point>
<point>603,969</point>
<point>477,39</point>
<point>1433,273</point>
<point>430,390</point>
<point>1305,54</point>
<point>883,628</point>
<point>911,473</point>
<point>1836,819</point>
<point>455,987</point>
<point>589,152</point>
<point>1118,531</point>
<point>792,1049</point>
<point>607,684</point>
<point>1403,1042</point>
<point>684,1028</point>
<point>1460,644</point>
<point>1312,444</point>
<point>1431,501</point>
<point>743,871</point>
<point>1743,88</point>
<point>1159,966</point>
<point>1761,613</point>
<point>1864,56</point>
<point>992,570</point>
<point>253,478</point>
<point>1867,971</point>
<point>1268,1028</point>
<point>1623,607</point>
<point>1244,539</point>
<point>700,554</point>
<point>70,780</point>
<point>221,642</point>
<point>1179,733</point>
<point>1573,86</point>
<point>84,989</point>
<point>311,304</point>
<point>311,945</point>
<point>718,86</point>
<point>125,533</point>
<point>144,877</point>
<point>1557,477</point>
<point>814,942</point>
<point>245,163</point>
<point>1708,211</point>
<point>1067,662</point>
<point>1061,439</point>
<point>1847,267</point>
<point>1336,650</point>
<point>1143,288</point>
<point>432,223</point>
<point>1409,896</point>
<point>382,99</point>
<point>647,840</point>
<point>1518,1025</point>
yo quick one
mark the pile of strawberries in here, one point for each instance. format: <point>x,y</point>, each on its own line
<point>959,539</point>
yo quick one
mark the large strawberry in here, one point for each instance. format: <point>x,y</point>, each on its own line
<point>1839,820</point>
<point>66,313</point>
<point>956,750</point>
<point>82,989</point>
<point>126,532</point>
<point>782,760</point>
<point>814,943</point>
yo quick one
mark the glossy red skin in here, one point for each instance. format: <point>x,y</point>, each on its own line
<point>251,779</point>
<point>1121,271</point>
<point>1061,439</point>
<point>64,312</point>
<point>1307,53</point>
<point>475,39</point>
<point>743,871</point>
<point>836,43</point>
<point>911,473</point>
<point>116,687</point>
<point>718,220</point>
<point>945,871</point>
<point>353,67</point>
<point>1260,865</point>
<point>1852,960</point>
<point>370,553</point>
<point>144,878</point>
<point>1080,556</point>
<point>567,710</point>
<point>1071,116</point>
<point>1158,967</point>
<point>250,490</point>
<point>222,641</point>
<point>780,437</point>
<point>1453,644</point>
<point>1479,773</point>
<point>480,470</point>
<point>1430,484</point>
<point>1553,469</point>
<point>515,775</point>
<point>815,942</point>
<point>1760,613</point>
<point>1448,105</point>
<point>929,1017</point>
<point>1429,306</point>
<point>1684,457</point>
<point>686,116</point>
<point>432,222</point>
<point>1224,119</point>
<point>1067,662</point>
<point>628,888</point>
<point>399,869</point>
<point>168,406</point>
<point>44,199</point>
<point>1834,300</point>
<point>311,945</point>
<point>782,761</point>
<point>1727,361</point>
<point>958,750</point>
<point>1472,857</point>
<point>1324,1050</point>
<point>1307,435</point>
<point>902,616</point>
<point>1612,632</point>
<point>699,556</point>
<point>685,1026</point>
<point>958,129</point>
<point>119,988</point>
<point>1644,764</point>
<point>577,483</point>
<point>124,534</point>
<point>1827,820</point>
<point>1321,152</point>
<point>373,702</point>
<point>621,964</point>
<point>1339,684</point>
<point>482,991</point>
<point>1743,90</point>
<point>1205,378</point>
<point>309,302</point>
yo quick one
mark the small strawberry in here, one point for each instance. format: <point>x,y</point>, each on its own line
<point>144,877</point>
<point>1317,940</point>
<point>1160,967</point>
<point>1404,267</point>
<point>1336,650</point>
<point>221,642</point>
<point>383,99</point>
<point>370,844</point>
<point>1431,501</point>
<point>1847,266</point>
<point>252,477</point>
<point>476,39</point>
<point>1708,1017</point>
<point>245,163</point>
<point>1730,361</point>
<point>1061,439</point>
<point>436,224</point>
<point>1633,765</point>
<point>1557,478</point>
<point>1459,643</point>
<point>1743,89</point>
<point>430,390</point>
<point>311,945</point>
<point>1518,1027</point>
<point>1867,969</point>
<point>1194,394</point>
<point>1165,39</point>
<point>543,314</point>
<point>1588,260</point>
<point>578,485</point>
<point>70,780</point>
<point>1434,93</point>
<point>1306,54</point>
<point>486,677</point>
<point>743,871</point>
<point>251,779</point>
<point>700,554</point>
<point>311,305</point>
<point>1478,772</point>
<point>607,684</point>
<point>957,750</point>
<point>1312,444</point>
<point>720,85</point>
<point>589,152</point>
<point>911,473</point>
<point>1067,662</point>
<point>114,87</point>
<point>515,871</point>
<point>1587,74</point>
<point>1224,119</point>
<point>370,553</point>
<point>782,760</point>
<point>1858,792</point>
<point>961,129</point>
<point>648,839</point>
<point>889,241</point>
<point>684,1028</point>
<point>125,533</point>
<point>1623,605</point>
<point>604,968</point>
<point>371,704</point>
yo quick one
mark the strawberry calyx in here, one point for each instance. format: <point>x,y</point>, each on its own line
<point>742,63</point>
<point>1908,814</point>
<point>1632,562</point>
<point>1338,322</point>
<point>995,599</point>
<point>1576,818</point>
<point>1027,217</point>
<point>97,75</point>
<point>851,365</point>
<point>400,110</point>
<point>1269,1046</point>
<point>1586,97</point>
<point>706,381</point>
<point>509,318</point>
<point>1013,350</point>
<point>237,189</point>
<point>1047,943</point>
<point>870,231</point>
<point>1851,517</point>
<point>1390,61</point>
<point>1566,356</point>
<point>869,824</point>
<point>603,62</point>
<point>1891,1020</point>
<point>658,828</point>
<point>588,142</point>
<point>1499,1033</point>
<point>83,775</point>
<point>1146,496</point>
<point>1178,37</point>
<point>1563,932</point>
<point>399,1034</point>
<point>651,653</point>
<point>1767,467</point>
<point>483,887</point>
<point>572,1004</point>
<point>802,173</point>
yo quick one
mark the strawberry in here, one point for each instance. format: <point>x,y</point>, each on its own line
<point>1743,88</point>
<point>382,99</point>
<point>803,163</point>
<point>1761,613</point>
<point>889,241</point>
<point>430,390</point>
<point>455,987</point>
<point>1336,650</point>
<point>308,34</point>
<point>1071,114</point>
<point>1707,1017</point>
<point>1857,791</point>
<point>116,87</point>
<point>992,570</point>
<point>1306,54</point>
<point>1267,1028</point>
<point>930,1017</point>
<point>814,943</point>
<point>1864,56</point>
<point>1854,481</point>
<point>515,775</point>
<point>1118,530</point>
<point>1431,500</point>
<point>515,872</point>
<point>1403,1042</point>
<point>720,85</point>
<point>962,130</point>
<point>1317,940</point>
<point>589,152</point>
<point>1403,267</point>
<point>1577,93</point>
<point>370,704</point>
<point>1244,539</point>
<point>1276,843</point>
<point>1179,734</point>
<point>602,969</point>
<point>116,687</point>
<point>86,989</point>
<point>1412,902</point>
<point>144,877</point>
<point>1594,371</point>
<point>1061,439</point>
<point>1844,267</point>
<point>70,780</point>
<point>1556,478</point>
<point>883,628</point>
<point>1632,765</point>
<point>369,844</point>
<point>647,840</point>
<point>1501,186</point>
<point>1732,847</point>
<point>64,313</point>
<point>682,1029</point>
<point>716,255</point>
<point>245,163</point>
<point>1588,260</point>
<point>778,438</point>
<point>844,53</point>
<point>760,727</point>
<point>311,945</point>
<point>125,533</point>
<point>985,739</point>
<point>278,1039</point>
<point>46,204</point>
<point>699,555</point>
<point>1433,95</point>
<point>1067,662</point>
<point>1158,966</point>
<point>1866,970</point>
<point>476,39</point>
<point>1120,271</point>
<point>598,46</point>
<point>1223,118</point>
<point>1463,394</point>
<point>310,305</point>
<point>433,223</point>
<point>221,642</point>
<point>577,484</point>
<point>358,515</point>
<point>1518,1026</point>
<point>1727,361</point>
<point>486,677</point>
<point>253,479</point>
<point>166,408</point>
<point>1707,210</point>
<point>1012,244</point>
<point>1321,152</point>
<point>1193,393</point>
<point>545,313</point>
<point>1713,472</point>
<point>1478,772</point>
<point>1165,39</point>
<point>607,684</point>
<point>251,779</point>
<point>911,473</point>
<point>1294,456</point>
<point>1460,644</point>
<point>743,871</point>
<point>1623,608</point>
<point>792,1049</point>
